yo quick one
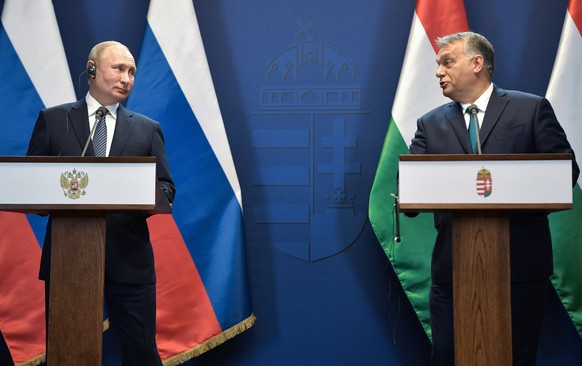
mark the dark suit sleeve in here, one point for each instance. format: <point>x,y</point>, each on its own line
<point>39,140</point>
<point>162,167</point>
<point>419,143</point>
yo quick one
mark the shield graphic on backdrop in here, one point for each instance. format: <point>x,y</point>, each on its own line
<point>305,138</point>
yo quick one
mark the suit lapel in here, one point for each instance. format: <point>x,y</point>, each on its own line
<point>80,124</point>
<point>497,104</point>
<point>454,116</point>
<point>123,127</point>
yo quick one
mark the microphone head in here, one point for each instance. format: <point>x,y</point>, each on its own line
<point>100,112</point>
<point>474,109</point>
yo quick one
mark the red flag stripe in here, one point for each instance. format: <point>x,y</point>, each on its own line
<point>22,319</point>
<point>440,18</point>
<point>575,10</point>
<point>185,317</point>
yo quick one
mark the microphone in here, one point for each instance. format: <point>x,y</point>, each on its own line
<point>397,218</point>
<point>98,115</point>
<point>474,110</point>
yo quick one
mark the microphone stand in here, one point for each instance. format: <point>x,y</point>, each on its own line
<point>474,111</point>
<point>98,115</point>
<point>397,219</point>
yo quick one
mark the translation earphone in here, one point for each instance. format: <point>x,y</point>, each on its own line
<point>92,71</point>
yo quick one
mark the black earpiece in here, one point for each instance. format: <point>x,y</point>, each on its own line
<point>92,71</point>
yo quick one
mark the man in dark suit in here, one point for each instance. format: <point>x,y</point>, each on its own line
<point>129,262</point>
<point>512,122</point>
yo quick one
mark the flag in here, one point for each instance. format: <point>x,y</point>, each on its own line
<point>417,93</point>
<point>29,83</point>
<point>565,94</point>
<point>203,295</point>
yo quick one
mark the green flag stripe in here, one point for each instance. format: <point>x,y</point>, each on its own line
<point>566,237</point>
<point>418,234</point>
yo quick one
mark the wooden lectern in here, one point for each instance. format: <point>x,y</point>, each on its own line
<point>78,193</point>
<point>480,191</point>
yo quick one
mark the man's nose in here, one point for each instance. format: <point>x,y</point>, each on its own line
<point>125,77</point>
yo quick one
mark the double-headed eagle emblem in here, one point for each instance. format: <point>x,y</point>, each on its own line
<point>74,183</point>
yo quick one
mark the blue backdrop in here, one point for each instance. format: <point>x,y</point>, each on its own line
<point>306,89</point>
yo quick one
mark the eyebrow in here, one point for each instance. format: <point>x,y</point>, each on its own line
<point>442,56</point>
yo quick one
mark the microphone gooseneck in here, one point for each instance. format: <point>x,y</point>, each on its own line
<point>397,237</point>
<point>474,110</point>
<point>102,111</point>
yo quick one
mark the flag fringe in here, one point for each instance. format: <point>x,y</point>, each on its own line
<point>211,342</point>
<point>42,358</point>
<point>34,362</point>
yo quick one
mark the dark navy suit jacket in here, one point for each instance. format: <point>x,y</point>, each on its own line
<point>63,131</point>
<point>515,122</point>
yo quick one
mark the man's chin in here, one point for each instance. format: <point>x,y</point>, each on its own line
<point>121,96</point>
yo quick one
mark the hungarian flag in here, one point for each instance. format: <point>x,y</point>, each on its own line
<point>35,74</point>
<point>418,92</point>
<point>565,94</point>
<point>202,286</point>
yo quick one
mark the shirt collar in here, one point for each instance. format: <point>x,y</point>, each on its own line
<point>482,101</point>
<point>93,105</point>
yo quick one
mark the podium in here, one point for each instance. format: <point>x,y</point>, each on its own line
<point>481,191</point>
<point>78,193</point>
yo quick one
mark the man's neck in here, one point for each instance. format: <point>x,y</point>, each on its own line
<point>478,92</point>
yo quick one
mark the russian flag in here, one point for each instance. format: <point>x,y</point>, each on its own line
<point>34,74</point>
<point>202,284</point>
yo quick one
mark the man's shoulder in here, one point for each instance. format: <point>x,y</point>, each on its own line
<point>516,94</point>
<point>62,107</point>
<point>447,108</point>
<point>135,115</point>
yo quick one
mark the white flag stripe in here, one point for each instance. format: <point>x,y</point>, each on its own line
<point>564,89</point>
<point>34,34</point>
<point>418,89</point>
<point>187,59</point>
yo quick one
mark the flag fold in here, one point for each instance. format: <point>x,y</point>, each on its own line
<point>417,93</point>
<point>202,286</point>
<point>565,94</point>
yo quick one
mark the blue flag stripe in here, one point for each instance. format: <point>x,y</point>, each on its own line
<point>206,209</point>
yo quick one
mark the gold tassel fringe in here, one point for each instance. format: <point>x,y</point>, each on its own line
<point>42,358</point>
<point>184,356</point>
<point>34,362</point>
<point>211,343</point>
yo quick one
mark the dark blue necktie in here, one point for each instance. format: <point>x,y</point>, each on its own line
<point>100,137</point>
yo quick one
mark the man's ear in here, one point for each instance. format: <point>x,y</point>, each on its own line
<point>478,63</point>
<point>91,69</point>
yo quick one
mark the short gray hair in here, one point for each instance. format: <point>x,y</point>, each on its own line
<point>99,48</point>
<point>475,44</point>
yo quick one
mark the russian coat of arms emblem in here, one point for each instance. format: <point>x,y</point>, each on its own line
<point>74,183</point>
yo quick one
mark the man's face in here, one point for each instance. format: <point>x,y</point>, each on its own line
<point>115,76</point>
<point>456,72</point>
